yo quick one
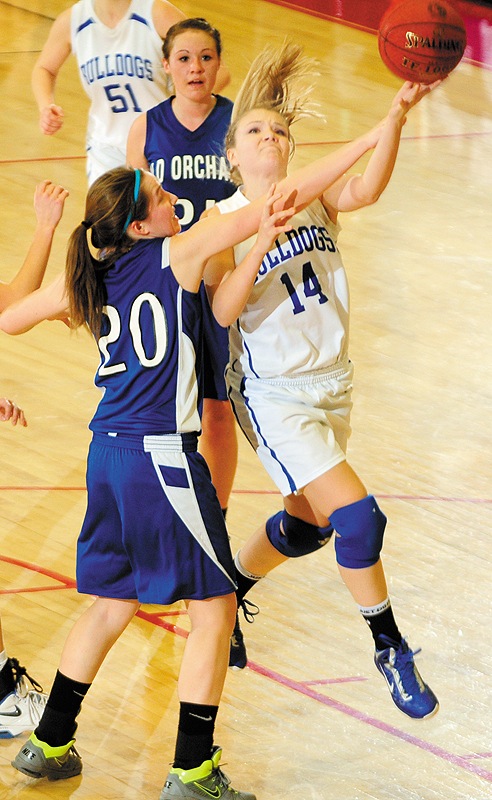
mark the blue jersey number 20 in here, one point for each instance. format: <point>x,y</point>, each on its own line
<point>160,332</point>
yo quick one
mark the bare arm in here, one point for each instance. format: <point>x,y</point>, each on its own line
<point>356,191</point>
<point>228,286</point>
<point>48,302</point>
<point>49,200</point>
<point>45,72</point>
<point>164,15</point>
<point>223,79</point>
<point>136,144</point>
<point>191,250</point>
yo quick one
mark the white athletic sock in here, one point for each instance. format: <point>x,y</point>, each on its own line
<point>243,571</point>
<point>373,611</point>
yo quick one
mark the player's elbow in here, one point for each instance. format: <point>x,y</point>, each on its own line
<point>372,197</point>
<point>9,324</point>
<point>221,316</point>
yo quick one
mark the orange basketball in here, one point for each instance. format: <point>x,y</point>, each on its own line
<point>421,40</point>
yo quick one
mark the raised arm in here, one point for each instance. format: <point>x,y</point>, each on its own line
<point>191,250</point>
<point>356,191</point>
<point>45,72</point>
<point>49,302</point>
<point>49,200</point>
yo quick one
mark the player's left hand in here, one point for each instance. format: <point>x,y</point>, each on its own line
<point>49,200</point>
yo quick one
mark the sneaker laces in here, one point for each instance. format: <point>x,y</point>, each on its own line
<point>223,782</point>
<point>217,780</point>
<point>250,610</point>
<point>19,673</point>
<point>74,751</point>
<point>402,661</point>
<point>36,705</point>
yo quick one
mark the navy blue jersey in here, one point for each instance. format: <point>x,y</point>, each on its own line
<point>190,164</point>
<point>150,347</point>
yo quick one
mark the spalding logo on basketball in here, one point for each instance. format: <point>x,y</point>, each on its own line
<point>421,40</point>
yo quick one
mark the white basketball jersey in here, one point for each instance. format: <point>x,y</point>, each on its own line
<point>120,69</point>
<point>297,316</point>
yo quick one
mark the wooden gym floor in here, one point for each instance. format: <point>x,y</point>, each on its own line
<point>310,718</point>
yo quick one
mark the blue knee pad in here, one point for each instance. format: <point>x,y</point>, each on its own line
<point>293,537</point>
<point>360,527</point>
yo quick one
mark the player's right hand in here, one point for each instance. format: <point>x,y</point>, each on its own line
<point>51,119</point>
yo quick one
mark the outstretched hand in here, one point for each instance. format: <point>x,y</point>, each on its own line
<point>409,95</point>
<point>9,411</point>
<point>49,200</point>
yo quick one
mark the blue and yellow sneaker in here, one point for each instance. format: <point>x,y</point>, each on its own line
<point>409,692</point>
<point>205,781</point>
<point>39,760</point>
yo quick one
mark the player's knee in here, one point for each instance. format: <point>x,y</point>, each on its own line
<point>360,529</point>
<point>293,537</point>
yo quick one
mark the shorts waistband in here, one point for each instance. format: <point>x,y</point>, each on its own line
<point>317,376</point>
<point>172,442</point>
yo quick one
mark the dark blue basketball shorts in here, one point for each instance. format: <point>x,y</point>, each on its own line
<point>153,529</point>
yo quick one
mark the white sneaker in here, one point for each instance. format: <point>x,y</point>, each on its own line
<point>21,713</point>
<point>22,708</point>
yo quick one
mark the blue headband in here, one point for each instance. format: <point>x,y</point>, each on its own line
<point>136,191</point>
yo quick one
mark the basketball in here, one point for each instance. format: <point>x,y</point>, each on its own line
<point>421,40</point>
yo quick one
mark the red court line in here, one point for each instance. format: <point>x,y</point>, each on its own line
<point>404,497</point>
<point>428,747</point>
<point>39,159</point>
<point>427,137</point>
<point>31,589</point>
<point>325,681</point>
<point>479,755</point>
<point>68,583</point>
<point>329,143</point>
<point>301,687</point>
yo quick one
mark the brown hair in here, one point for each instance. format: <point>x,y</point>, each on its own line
<point>193,24</point>
<point>109,209</point>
